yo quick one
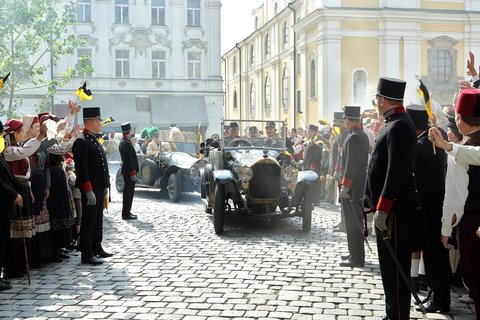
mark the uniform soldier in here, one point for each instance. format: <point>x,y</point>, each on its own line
<point>93,179</point>
<point>129,171</point>
<point>392,190</point>
<point>354,172</point>
<point>313,156</point>
<point>430,170</point>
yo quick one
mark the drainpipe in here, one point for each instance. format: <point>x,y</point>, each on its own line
<point>294,67</point>
<point>240,76</point>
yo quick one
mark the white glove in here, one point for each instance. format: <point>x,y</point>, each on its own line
<point>344,190</point>
<point>133,178</point>
<point>91,199</point>
<point>105,192</point>
<point>380,220</point>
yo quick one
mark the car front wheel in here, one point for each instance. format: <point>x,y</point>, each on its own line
<point>174,187</point>
<point>119,182</point>
<point>307,210</point>
<point>219,208</point>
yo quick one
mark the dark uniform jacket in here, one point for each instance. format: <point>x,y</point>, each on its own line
<point>336,150</point>
<point>354,162</point>
<point>91,164</point>
<point>129,157</point>
<point>390,174</point>
<point>313,155</point>
<point>8,191</point>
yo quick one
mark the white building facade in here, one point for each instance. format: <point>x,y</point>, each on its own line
<point>155,62</point>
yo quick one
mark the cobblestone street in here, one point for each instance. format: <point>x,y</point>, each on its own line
<point>169,264</point>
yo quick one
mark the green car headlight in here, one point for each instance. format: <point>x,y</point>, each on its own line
<point>290,174</point>
<point>245,173</point>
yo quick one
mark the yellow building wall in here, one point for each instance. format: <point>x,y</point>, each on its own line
<point>311,106</point>
<point>444,5</point>
<point>461,63</point>
<point>443,27</point>
<point>359,53</point>
<point>359,25</point>
<point>360,3</point>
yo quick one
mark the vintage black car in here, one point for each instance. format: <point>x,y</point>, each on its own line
<point>175,169</point>
<point>253,175</point>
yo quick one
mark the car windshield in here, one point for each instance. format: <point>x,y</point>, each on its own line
<point>254,134</point>
<point>178,141</point>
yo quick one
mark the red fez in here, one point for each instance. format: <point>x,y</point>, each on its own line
<point>36,120</point>
<point>40,115</point>
<point>468,103</point>
<point>44,118</point>
<point>14,125</point>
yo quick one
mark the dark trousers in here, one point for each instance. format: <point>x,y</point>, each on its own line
<point>437,268</point>
<point>128,192</point>
<point>469,244</point>
<point>397,295</point>
<point>4,238</point>
<point>353,214</point>
<point>91,229</point>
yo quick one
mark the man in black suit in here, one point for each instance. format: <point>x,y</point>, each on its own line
<point>10,199</point>
<point>93,179</point>
<point>129,171</point>
<point>392,190</point>
<point>430,171</point>
<point>354,173</point>
<point>313,157</point>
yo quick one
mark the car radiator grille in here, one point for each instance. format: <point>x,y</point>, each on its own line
<point>265,186</point>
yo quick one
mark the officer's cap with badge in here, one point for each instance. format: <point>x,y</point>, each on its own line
<point>92,113</point>
<point>468,103</point>
<point>337,117</point>
<point>351,112</point>
<point>270,124</point>
<point>126,127</point>
<point>391,88</point>
<point>419,116</point>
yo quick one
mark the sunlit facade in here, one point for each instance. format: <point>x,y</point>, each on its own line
<point>154,61</point>
<point>309,58</point>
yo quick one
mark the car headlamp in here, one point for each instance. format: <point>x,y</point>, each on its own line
<point>290,174</point>
<point>193,171</point>
<point>245,173</point>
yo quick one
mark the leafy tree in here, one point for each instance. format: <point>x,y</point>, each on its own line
<point>33,34</point>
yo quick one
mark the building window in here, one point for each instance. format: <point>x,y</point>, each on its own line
<point>84,11</point>
<point>442,65</point>
<point>193,61</point>
<point>158,12</point>
<point>267,44</point>
<point>122,63</point>
<point>285,89</point>
<point>193,13</point>
<point>252,100</point>
<point>84,59</point>
<point>285,34</point>
<point>312,79</point>
<point>235,102</point>
<point>360,89</point>
<point>267,99</point>
<point>252,55</point>
<point>234,66</point>
<point>158,64</point>
<point>121,11</point>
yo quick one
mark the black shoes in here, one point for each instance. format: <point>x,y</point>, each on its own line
<point>5,285</point>
<point>94,261</point>
<point>352,264</point>
<point>345,257</point>
<point>103,254</point>
<point>433,308</point>
<point>129,217</point>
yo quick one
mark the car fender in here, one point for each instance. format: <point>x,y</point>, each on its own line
<point>222,176</point>
<point>305,181</point>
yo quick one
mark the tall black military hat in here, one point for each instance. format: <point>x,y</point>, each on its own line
<point>391,88</point>
<point>312,127</point>
<point>419,116</point>
<point>126,127</point>
<point>233,125</point>
<point>337,116</point>
<point>270,124</point>
<point>91,113</point>
<point>352,112</point>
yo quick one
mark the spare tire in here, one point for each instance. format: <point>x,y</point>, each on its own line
<point>148,170</point>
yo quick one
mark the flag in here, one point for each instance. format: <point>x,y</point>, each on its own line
<point>200,140</point>
<point>423,91</point>
<point>83,93</point>
<point>3,80</point>
<point>107,121</point>
<point>324,122</point>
